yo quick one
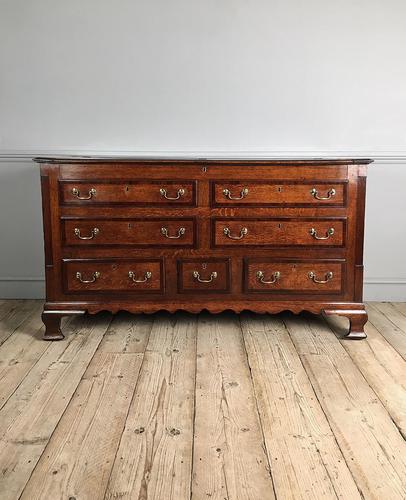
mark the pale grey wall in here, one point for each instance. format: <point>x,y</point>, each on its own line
<point>236,77</point>
<point>196,75</point>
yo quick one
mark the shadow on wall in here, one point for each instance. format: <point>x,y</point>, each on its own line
<point>21,240</point>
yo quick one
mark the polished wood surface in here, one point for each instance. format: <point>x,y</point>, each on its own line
<point>173,407</point>
<point>294,276</point>
<point>116,275</point>
<point>267,193</point>
<point>278,232</point>
<point>134,232</point>
<point>212,215</point>
<point>136,192</point>
<point>209,276</point>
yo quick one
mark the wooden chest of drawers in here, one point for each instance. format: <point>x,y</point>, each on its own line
<point>145,235</point>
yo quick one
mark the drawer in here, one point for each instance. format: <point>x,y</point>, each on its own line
<point>135,232</point>
<point>89,275</point>
<point>326,232</point>
<point>141,193</point>
<point>270,193</point>
<point>210,275</point>
<point>264,275</point>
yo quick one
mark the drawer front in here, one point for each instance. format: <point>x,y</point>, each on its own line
<point>136,232</point>
<point>279,232</point>
<point>318,277</point>
<point>268,193</point>
<point>211,275</point>
<point>84,276</point>
<point>141,193</point>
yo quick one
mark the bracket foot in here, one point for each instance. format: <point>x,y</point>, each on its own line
<point>357,318</point>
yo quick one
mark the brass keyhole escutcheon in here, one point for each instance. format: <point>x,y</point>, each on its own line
<point>279,189</point>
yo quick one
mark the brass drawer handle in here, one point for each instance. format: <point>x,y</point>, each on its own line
<point>147,276</point>
<point>196,276</point>
<point>329,233</point>
<point>179,194</point>
<point>328,276</point>
<point>243,232</point>
<point>96,275</point>
<point>243,194</point>
<point>95,231</point>
<point>330,193</point>
<point>181,232</point>
<point>76,192</point>
<point>274,277</point>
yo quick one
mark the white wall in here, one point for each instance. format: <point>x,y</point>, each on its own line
<point>267,78</point>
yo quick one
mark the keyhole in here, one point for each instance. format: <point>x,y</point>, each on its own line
<point>204,265</point>
<point>127,188</point>
<point>279,189</point>
<point>280,226</point>
<point>130,226</point>
<point>204,169</point>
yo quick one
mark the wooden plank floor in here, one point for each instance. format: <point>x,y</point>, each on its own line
<point>208,407</point>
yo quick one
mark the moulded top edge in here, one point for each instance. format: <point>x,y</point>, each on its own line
<point>235,161</point>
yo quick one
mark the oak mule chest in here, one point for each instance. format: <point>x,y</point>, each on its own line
<point>144,235</point>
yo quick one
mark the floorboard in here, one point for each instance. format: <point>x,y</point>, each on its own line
<point>32,413</point>
<point>371,444</point>
<point>382,367</point>
<point>306,461</point>
<point>77,460</point>
<point>154,459</point>
<point>202,407</point>
<point>390,323</point>
<point>229,458</point>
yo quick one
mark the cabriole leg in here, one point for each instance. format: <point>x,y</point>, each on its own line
<point>358,319</point>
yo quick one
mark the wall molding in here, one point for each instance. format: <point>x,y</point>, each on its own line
<point>382,156</point>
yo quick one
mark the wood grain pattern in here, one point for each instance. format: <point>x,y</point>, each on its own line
<point>229,460</point>
<point>382,367</point>
<point>52,382</point>
<point>13,317</point>
<point>145,193</point>
<point>213,275</point>
<point>331,412</point>
<point>275,193</point>
<point>127,333</point>
<point>302,210</point>
<point>113,275</point>
<point>77,460</point>
<point>295,428</point>
<point>294,276</point>
<point>154,459</point>
<point>388,320</point>
<point>279,232</point>
<point>372,446</point>
<point>20,352</point>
